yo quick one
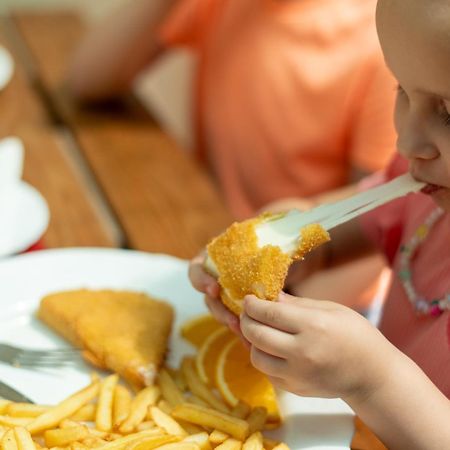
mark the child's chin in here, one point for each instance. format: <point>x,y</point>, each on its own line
<point>442,199</point>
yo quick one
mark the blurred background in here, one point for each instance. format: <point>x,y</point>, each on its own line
<point>164,88</point>
<point>91,9</point>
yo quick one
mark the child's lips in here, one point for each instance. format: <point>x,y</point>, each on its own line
<point>430,189</point>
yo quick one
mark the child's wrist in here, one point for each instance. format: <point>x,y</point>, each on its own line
<point>378,382</point>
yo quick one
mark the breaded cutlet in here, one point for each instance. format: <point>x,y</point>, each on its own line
<point>126,332</point>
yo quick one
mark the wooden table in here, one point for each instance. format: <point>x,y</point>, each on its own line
<point>111,176</point>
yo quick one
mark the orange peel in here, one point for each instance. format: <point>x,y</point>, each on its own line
<point>237,380</point>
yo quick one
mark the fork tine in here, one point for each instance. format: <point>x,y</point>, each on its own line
<point>37,359</point>
<point>56,351</point>
<point>25,357</point>
<point>41,363</point>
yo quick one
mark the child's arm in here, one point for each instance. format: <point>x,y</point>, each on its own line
<point>114,52</point>
<point>323,349</point>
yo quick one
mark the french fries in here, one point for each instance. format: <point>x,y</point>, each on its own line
<point>129,439</point>
<point>165,406</point>
<point>281,446</point>
<point>269,444</point>
<point>212,418</point>
<point>103,417</point>
<point>9,441</point>
<point>27,410</point>
<point>254,442</point>
<point>122,405</point>
<point>169,389</point>
<point>178,412</point>
<point>180,446</point>
<point>201,439</point>
<point>217,437</point>
<point>138,409</point>
<point>147,425</point>
<point>108,418</point>
<point>64,409</point>
<point>23,439</point>
<point>9,421</point>
<point>85,414</point>
<point>61,437</point>
<point>166,423</point>
<point>257,419</point>
<point>198,388</point>
<point>241,410</point>
<point>230,444</point>
<point>4,404</point>
<point>152,442</point>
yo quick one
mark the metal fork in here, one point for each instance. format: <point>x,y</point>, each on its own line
<point>24,357</point>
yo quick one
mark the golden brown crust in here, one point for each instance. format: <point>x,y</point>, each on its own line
<point>126,332</point>
<point>312,236</point>
<point>244,268</point>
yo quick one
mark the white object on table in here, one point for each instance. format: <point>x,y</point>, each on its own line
<point>6,67</point>
<point>309,423</point>
<point>24,214</point>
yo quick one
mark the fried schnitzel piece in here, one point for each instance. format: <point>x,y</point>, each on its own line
<point>123,331</point>
<point>242,266</point>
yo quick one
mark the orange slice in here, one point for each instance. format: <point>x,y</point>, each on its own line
<point>199,328</point>
<point>237,379</point>
<point>208,354</point>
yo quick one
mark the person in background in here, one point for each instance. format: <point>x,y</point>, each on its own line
<point>293,101</point>
<point>396,380</point>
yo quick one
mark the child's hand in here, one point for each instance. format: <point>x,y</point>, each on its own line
<point>315,348</point>
<point>207,284</point>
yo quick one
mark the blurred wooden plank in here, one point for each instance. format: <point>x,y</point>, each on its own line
<point>162,199</point>
<point>75,221</point>
<point>19,103</point>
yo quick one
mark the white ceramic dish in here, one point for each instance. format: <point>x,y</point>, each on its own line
<point>309,423</point>
<point>6,67</point>
<point>24,217</point>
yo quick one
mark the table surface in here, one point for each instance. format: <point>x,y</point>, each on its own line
<point>111,176</point>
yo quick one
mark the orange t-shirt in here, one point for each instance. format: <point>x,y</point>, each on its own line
<point>292,94</point>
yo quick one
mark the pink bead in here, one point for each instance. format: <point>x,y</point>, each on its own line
<point>435,311</point>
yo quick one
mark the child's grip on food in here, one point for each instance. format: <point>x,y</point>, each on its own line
<point>243,268</point>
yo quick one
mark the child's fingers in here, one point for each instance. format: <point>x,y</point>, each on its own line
<point>222,313</point>
<point>268,364</point>
<point>201,280</point>
<point>276,315</point>
<point>280,383</point>
<point>269,340</point>
<point>305,302</point>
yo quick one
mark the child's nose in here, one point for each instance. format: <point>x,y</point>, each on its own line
<point>414,141</point>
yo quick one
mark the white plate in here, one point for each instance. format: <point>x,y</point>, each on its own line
<point>309,423</point>
<point>24,217</point>
<point>6,67</point>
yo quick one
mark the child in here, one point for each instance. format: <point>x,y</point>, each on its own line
<point>295,92</point>
<point>396,379</point>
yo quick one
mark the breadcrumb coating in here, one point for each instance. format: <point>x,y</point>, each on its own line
<point>312,236</point>
<point>124,331</point>
<point>244,268</point>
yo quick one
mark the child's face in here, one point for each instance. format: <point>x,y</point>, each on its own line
<point>415,37</point>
